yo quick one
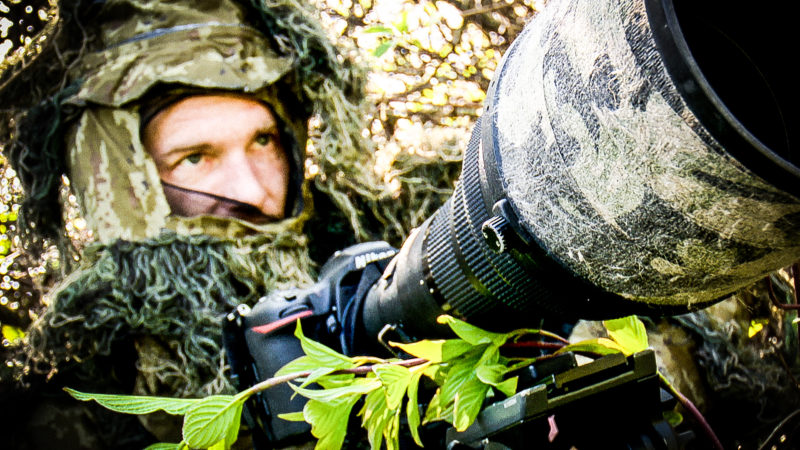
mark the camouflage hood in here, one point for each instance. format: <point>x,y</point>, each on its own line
<point>162,46</point>
<point>273,50</point>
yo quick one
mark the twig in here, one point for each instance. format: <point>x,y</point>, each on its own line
<point>698,416</point>
<point>552,336</point>
<point>485,9</point>
<point>777,429</point>
<point>274,381</point>
<point>777,302</point>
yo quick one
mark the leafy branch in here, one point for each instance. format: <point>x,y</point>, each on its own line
<point>467,371</point>
<point>395,35</point>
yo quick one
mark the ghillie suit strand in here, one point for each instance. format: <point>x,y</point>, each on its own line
<point>172,289</point>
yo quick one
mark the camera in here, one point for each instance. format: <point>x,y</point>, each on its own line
<point>633,157</point>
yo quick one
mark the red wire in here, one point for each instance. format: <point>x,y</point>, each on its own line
<point>270,327</point>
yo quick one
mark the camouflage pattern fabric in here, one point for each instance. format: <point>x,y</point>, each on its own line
<point>207,55</point>
<point>174,288</point>
<point>616,177</point>
<point>738,361</point>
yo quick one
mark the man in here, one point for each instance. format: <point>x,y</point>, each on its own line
<point>183,132</point>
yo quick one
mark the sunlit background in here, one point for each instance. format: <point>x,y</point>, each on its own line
<point>431,63</point>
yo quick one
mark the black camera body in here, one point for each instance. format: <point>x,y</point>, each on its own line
<point>261,340</point>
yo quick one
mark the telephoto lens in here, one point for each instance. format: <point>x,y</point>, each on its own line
<point>632,157</point>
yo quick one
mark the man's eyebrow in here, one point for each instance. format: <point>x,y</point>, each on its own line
<point>270,126</point>
<point>183,149</point>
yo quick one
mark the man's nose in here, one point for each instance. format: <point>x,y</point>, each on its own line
<point>242,181</point>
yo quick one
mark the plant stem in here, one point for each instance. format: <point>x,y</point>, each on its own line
<point>698,416</point>
<point>521,332</point>
<point>534,344</point>
<point>274,381</point>
<point>366,369</point>
<point>553,336</point>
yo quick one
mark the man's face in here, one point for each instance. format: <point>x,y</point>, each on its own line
<point>223,145</point>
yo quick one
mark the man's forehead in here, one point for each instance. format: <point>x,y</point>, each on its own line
<point>211,105</point>
<point>205,119</point>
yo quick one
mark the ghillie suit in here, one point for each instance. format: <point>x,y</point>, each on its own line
<point>149,294</point>
<point>747,351</point>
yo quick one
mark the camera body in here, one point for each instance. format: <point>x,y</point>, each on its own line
<point>261,340</point>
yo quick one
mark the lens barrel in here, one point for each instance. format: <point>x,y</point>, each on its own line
<point>620,166</point>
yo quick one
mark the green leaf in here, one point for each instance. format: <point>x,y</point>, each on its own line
<point>392,431</point>
<point>436,372</point>
<point>601,346</point>
<point>383,48</point>
<point>491,355</point>
<point>233,429</point>
<point>329,420</point>
<point>628,332</point>
<point>12,333</point>
<point>210,420</point>
<point>359,386</point>
<point>435,351</point>
<point>508,387</point>
<point>412,407</point>
<point>293,417</point>
<point>375,417</point>
<point>459,374</point>
<point>491,374</point>
<point>395,381</point>
<point>218,446</point>
<point>471,333</point>
<point>673,417</point>
<point>468,402</point>
<point>163,446</point>
<point>336,381</point>
<point>301,364</point>
<point>317,374</point>
<point>756,325</point>
<point>378,29</point>
<point>135,404</point>
<point>321,354</point>
<point>434,409</point>
<point>402,26</point>
<point>437,411</point>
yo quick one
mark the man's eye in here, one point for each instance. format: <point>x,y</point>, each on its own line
<point>264,138</point>
<point>194,158</point>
